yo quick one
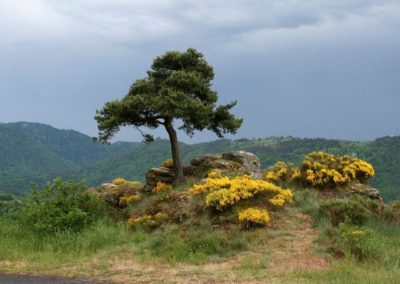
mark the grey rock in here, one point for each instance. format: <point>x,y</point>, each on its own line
<point>366,190</point>
<point>109,186</point>
<point>250,162</point>
<point>161,174</point>
<point>239,161</point>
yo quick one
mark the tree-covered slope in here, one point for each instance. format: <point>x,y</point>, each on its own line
<point>31,152</point>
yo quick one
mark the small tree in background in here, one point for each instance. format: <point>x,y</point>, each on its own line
<point>177,89</point>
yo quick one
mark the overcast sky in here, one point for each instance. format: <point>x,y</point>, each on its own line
<point>316,68</point>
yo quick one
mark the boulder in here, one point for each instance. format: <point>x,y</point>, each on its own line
<point>162,174</point>
<point>109,186</point>
<point>113,193</point>
<point>240,162</point>
<point>249,162</point>
<point>366,190</point>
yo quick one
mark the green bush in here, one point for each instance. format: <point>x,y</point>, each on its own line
<point>60,206</point>
<point>358,241</point>
<point>391,212</point>
<point>344,211</point>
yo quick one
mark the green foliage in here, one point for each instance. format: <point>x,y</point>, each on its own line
<point>8,202</point>
<point>39,153</point>
<point>60,206</point>
<point>391,212</point>
<point>177,87</point>
<point>344,210</point>
<point>36,153</point>
<point>358,240</point>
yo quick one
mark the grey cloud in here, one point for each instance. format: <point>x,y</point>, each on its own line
<point>306,68</point>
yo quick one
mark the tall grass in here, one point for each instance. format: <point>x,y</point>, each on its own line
<point>19,243</point>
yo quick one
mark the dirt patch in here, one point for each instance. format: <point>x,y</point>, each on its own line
<point>300,252</point>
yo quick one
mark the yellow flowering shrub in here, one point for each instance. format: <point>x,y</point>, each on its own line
<point>320,169</point>
<point>168,163</point>
<point>356,241</point>
<point>126,200</point>
<point>222,192</point>
<point>281,198</point>
<point>214,174</point>
<point>160,187</point>
<point>252,217</point>
<point>147,220</point>
<point>140,221</point>
<point>281,171</point>
<point>119,181</point>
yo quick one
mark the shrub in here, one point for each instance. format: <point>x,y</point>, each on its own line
<point>321,170</point>
<point>344,210</point>
<point>253,217</point>
<point>168,163</point>
<point>119,181</point>
<point>357,240</point>
<point>60,206</point>
<point>223,192</point>
<point>281,171</point>
<point>150,221</point>
<point>391,212</point>
<point>161,187</point>
<point>127,200</point>
<point>214,174</point>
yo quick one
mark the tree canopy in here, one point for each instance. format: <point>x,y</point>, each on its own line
<point>177,90</point>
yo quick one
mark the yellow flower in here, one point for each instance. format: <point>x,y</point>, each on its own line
<point>254,217</point>
<point>278,172</point>
<point>224,191</point>
<point>168,163</point>
<point>126,200</point>
<point>214,174</point>
<point>321,170</point>
<point>358,233</point>
<point>119,181</point>
<point>160,187</point>
<point>147,220</point>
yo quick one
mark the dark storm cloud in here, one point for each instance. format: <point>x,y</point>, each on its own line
<point>304,68</point>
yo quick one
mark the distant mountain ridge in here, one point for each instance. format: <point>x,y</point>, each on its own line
<point>34,152</point>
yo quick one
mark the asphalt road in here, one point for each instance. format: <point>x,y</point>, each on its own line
<point>23,279</point>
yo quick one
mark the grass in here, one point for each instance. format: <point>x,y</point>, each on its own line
<point>347,271</point>
<point>293,248</point>
<point>17,243</point>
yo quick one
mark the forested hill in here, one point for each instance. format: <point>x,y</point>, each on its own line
<point>32,152</point>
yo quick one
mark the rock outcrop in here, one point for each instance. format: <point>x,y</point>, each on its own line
<point>238,162</point>
<point>162,174</point>
<point>365,190</point>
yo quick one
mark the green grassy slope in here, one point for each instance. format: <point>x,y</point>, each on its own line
<point>33,152</point>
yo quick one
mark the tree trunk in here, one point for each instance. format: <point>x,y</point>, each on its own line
<point>176,157</point>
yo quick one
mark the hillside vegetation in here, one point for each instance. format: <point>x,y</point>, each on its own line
<point>32,152</point>
<point>299,223</point>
